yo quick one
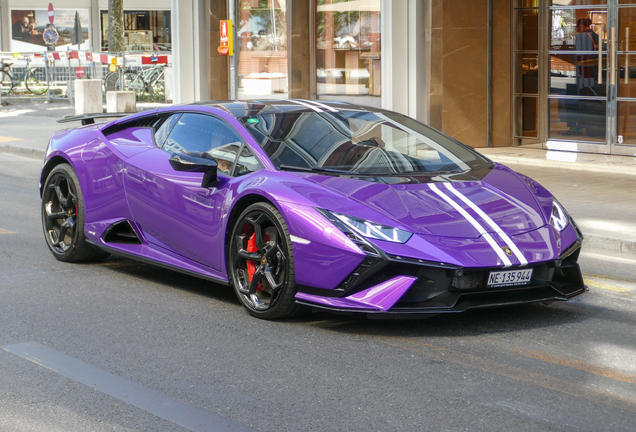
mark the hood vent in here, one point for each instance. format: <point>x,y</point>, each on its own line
<point>121,232</point>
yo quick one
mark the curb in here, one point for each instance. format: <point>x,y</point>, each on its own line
<point>609,246</point>
<point>23,151</point>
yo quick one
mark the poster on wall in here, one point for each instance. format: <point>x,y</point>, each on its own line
<point>30,29</point>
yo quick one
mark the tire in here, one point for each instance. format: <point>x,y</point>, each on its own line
<point>110,82</point>
<point>35,81</point>
<point>6,83</point>
<point>267,287</point>
<point>133,82</point>
<point>63,218</point>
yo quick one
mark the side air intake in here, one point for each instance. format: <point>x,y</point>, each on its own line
<point>121,232</point>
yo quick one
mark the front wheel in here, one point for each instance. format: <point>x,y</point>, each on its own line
<point>63,217</point>
<point>261,263</point>
<point>6,83</point>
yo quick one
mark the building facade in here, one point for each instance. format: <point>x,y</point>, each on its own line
<point>552,74</point>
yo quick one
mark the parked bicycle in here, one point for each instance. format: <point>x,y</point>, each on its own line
<point>146,81</point>
<point>34,79</point>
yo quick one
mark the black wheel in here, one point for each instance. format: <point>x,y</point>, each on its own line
<point>6,83</point>
<point>35,81</point>
<point>261,263</point>
<point>63,217</point>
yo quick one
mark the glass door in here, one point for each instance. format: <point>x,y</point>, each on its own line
<point>625,118</point>
<point>578,91</point>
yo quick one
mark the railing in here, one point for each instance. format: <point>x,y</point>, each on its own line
<point>51,74</point>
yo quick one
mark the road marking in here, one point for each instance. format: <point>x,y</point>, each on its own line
<point>563,361</point>
<point>4,139</point>
<point>156,403</point>
<point>605,286</point>
<point>518,374</point>
<point>614,278</point>
<point>4,231</point>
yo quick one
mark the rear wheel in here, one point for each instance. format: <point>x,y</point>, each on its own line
<point>63,217</point>
<point>35,81</point>
<point>261,263</point>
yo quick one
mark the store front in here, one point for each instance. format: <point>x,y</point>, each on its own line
<point>345,52</point>
<point>575,75</point>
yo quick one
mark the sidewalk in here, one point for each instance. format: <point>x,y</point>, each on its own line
<point>599,191</point>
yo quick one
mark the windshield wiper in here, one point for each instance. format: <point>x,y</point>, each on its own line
<point>316,169</point>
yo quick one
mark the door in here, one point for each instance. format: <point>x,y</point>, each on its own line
<point>579,86</point>
<point>171,208</point>
<point>625,73</point>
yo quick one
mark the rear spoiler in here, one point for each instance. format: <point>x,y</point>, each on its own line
<point>87,119</point>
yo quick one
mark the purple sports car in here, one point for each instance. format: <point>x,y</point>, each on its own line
<point>299,204</point>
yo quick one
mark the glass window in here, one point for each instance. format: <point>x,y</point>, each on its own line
<point>143,30</point>
<point>165,128</point>
<point>246,163</point>
<point>200,133</point>
<point>580,120</point>
<point>348,50</point>
<point>374,143</point>
<point>261,49</point>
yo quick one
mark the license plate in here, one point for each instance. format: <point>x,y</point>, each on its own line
<point>509,277</point>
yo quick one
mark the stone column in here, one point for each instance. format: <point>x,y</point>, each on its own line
<point>298,65</point>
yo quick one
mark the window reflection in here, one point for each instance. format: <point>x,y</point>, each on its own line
<point>348,51</point>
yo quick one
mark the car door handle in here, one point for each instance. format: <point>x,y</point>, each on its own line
<point>135,175</point>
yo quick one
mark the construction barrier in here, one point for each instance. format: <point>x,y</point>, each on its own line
<point>51,74</point>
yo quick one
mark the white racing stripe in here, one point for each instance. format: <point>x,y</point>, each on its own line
<point>490,222</point>
<point>493,244</point>
<point>321,105</point>
<point>307,105</point>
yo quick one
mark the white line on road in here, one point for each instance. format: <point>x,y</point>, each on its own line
<point>156,403</point>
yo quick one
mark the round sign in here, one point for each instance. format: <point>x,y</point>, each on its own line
<point>51,13</point>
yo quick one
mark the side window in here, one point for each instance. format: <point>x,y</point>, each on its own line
<point>246,163</point>
<point>200,133</point>
<point>165,128</point>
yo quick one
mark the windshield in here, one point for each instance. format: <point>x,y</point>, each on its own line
<point>363,142</point>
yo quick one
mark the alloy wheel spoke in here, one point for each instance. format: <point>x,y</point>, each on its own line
<point>60,197</point>
<point>60,215</point>
<point>256,279</point>
<point>270,279</point>
<point>258,229</point>
<point>250,256</point>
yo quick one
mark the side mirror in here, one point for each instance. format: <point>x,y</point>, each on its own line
<point>199,162</point>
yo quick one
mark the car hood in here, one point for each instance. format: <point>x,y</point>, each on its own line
<point>457,206</point>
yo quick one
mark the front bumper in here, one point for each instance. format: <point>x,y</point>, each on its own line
<point>399,286</point>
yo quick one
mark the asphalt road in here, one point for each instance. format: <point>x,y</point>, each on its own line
<point>123,346</point>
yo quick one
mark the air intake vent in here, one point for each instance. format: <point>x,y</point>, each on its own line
<point>121,232</point>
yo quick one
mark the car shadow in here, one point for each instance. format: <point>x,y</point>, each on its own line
<point>171,279</point>
<point>477,322</point>
<point>470,323</point>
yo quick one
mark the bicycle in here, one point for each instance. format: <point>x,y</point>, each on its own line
<point>149,81</point>
<point>34,79</point>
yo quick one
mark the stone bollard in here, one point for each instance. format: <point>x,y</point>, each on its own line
<point>121,101</point>
<point>88,96</point>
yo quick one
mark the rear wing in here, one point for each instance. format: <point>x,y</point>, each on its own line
<point>87,119</point>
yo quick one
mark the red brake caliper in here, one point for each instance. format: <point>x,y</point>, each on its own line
<point>251,267</point>
<point>251,248</point>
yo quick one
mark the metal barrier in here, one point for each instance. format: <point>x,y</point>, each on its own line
<point>52,74</point>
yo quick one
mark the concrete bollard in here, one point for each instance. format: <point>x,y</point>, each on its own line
<point>121,101</point>
<point>88,96</point>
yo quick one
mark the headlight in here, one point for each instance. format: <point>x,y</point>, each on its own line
<point>368,229</point>
<point>559,218</point>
